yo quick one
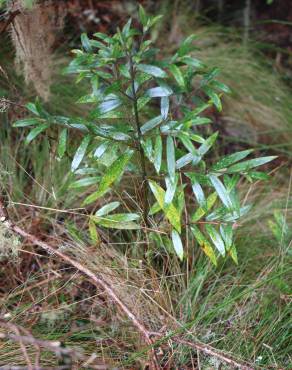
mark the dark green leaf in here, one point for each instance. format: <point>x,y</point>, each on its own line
<point>35,132</point>
<point>177,74</point>
<point>27,122</point>
<point>247,165</point>
<point>230,159</point>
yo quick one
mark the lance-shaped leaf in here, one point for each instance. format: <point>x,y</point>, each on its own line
<point>199,194</point>
<point>164,107</point>
<point>177,244</point>
<point>121,221</point>
<point>221,191</point>
<point>151,70</point>
<point>62,143</point>
<point>226,232</point>
<point>100,150</point>
<point>113,172</point>
<point>110,103</point>
<point>171,213</point>
<point>204,244</point>
<point>230,159</point>
<point>170,156</point>
<point>170,190</point>
<point>93,232</point>
<point>151,124</point>
<point>80,153</point>
<point>108,208</point>
<point>186,159</point>
<point>200,212</point>
<point>35,132</point>
<point>86,181</point>
<point>177,74</point>
<point>215,98</point>
<point>216,238</point>
<point>157,153</point>
<point>158,92</point>
<point>186,46</point>
<point>27,122</point>
<point>203,149</point>
<point>85,42</point>
<point>233,254</point>
<point>193,62</point>
<point>247,165</point>
<point>142,15</point>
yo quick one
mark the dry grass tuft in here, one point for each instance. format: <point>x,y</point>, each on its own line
<point>34,32</point>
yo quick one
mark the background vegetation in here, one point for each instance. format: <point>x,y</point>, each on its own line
<point>242,310</point>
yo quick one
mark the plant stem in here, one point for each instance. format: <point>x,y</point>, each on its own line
<point>145,203</point>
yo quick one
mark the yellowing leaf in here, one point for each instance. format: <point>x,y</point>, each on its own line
<point>204,244</point>
<point>112,174</point>
<point>170,211</point>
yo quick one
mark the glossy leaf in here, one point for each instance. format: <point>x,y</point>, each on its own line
<point>158,92</point>
<point>216,238</point>
<point>170,153</point>
<point>80,153</point>
<point>221,191</point>
<point>177,244</point>
<point>164,107</point>
<point>230,159</point>
<point>154,122</point>
<point>199,194</point>
<point>152,70</point>
<point>157,153</point>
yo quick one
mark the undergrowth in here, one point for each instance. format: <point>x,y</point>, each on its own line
<point>243,310</point>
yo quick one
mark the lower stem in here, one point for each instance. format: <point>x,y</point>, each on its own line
<point>145,204</point>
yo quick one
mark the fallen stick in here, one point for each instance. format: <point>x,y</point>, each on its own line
<point>212,352</point>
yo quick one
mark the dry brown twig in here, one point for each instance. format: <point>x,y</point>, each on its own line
<point>98,281</point>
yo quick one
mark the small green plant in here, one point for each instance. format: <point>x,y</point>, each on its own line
<point>145,118</point>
